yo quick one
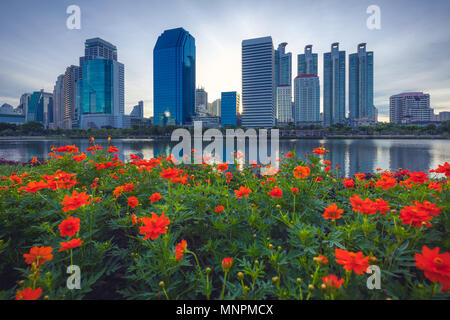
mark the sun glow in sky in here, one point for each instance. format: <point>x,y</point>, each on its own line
<point>410,50</point>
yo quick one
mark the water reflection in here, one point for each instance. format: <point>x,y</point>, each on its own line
<point>351,155</point>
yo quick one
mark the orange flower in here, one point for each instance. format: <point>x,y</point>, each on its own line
<point>154,226</point>
<point>321,260</point>
<point>436,266</point>
<point>418,177</point>
<point>276,192</point>
<point>134,220</point>
<point>133,202</point>
<point>227,263</point>
<point>301,172</point>
<point>75,201</point>
<point>382,206</point>
<point>38,255</point>
<point>180,250</point>
<point>386,181</point>
<point>79,157</point>
<point>242,192</point>
<point>155,197</point>
<point>222,167</point>
<point>445,169</point>
<point>332,282</point>
<point>366,206</point>
<point>28,294</point>
<point>34,160</point>
<point>69,227</point>
<point>348,183</point>
<point>435,186</point>
<point>33,186</point>
<point>332,212</point>
<point>352,261</point>
<point>321,150</point>
<point>219,209</point>
<point>74,243</point>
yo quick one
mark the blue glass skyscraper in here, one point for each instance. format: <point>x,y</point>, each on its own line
<point>361,84</point>
<point>229,108</point>
<point>334,85</point>
<point>307,62</point>
<point>174,77</point>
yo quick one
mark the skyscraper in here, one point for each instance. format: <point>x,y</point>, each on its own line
<point>58,102</point>
<point>100,93</point>
<point>138,110</point>
<point>334,85</point>
<point>283,80</point>
<point>40,108</point>
<point>70,110</point>
<point>307,62</point>
<point>307,99</point>
<point>410,107</point>
<point>201,99</point>
<point>174,77</point>
<point>229,108</point>
<point>361,84</point>
<point>258,83</point>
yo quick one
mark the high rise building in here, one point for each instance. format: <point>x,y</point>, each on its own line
<point>307,99</point>
<point>283,80</point>
<point>24,101</point>
<point>174,77</point>
<point>258,83</point>
<point>361,84</point>
<point>284,104</point>
<point>230,102</point>
<point>100,92</point>
<point>40,108</point>
<point>138,110</point>
<point>58,102</point>
<point>307,62</point>
<point>444,116</point>
<point>334,85</point>
<point>201,100</point>
<point>410,107</point>
<point>214,108</point>
<point>70,110</point>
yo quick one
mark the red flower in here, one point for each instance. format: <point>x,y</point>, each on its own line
<point>436,266</point>
<point>301,172</point>
<point>365,206</point>
<point>154,226</point>
<point>276,192</point>
<point>33,186</point>
<point>133,202</point>
<point>155,197</point>
<point>382,206</point>
<point>435,186</point>
<point>28,294</point>
<point>294,191</point>
<point>445,169</point>
<point>74,243</point>
<point>38,255</point>
<point>332,282</point>
<point>113,149</point>
<point>79,157</point>
<point>226,263</point>
<point>289,155</point>
<point>348,183</point>
<point>219,209</point>
<point>75,201</point>
<point>242,192</point>
<point>180,250</point>
<point>386,182</point>
<point>222,167</point>
<point>419,214</point>
<point>321,150</point>
<point>418,177</point>
<point>133,219</point>
<point>352,261</point>
<point>332,212</point>
<point>69,227</point>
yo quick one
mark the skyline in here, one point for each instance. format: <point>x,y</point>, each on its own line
<point>402,63</point>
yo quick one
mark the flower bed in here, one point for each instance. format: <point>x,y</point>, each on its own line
<point>152,229</point>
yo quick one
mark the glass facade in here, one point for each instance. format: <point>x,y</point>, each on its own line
<point>174,77</point>
<point>229,108</point>
<point>334,86</point>
<point>96,87</point>
<point>361,84</point>
<point>307,62</point>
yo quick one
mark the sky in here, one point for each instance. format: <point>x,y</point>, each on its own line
<point>411,49</point>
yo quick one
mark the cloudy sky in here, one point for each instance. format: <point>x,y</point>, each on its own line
<point>411,49</point>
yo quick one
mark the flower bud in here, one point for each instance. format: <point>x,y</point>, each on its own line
<point>270,246</point>
<point>240,275</point>
<point>323,286</point>
<point>275,280</point>
<point>257,262</point>
<point>299,280</point>
<point>226,263</point>
<point>161,284</point>
<point>310,287</point>
<point>46,298</point>
<point>278,206</point>
<point>208,270</point>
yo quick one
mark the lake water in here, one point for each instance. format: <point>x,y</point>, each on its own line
<point>353,155</point>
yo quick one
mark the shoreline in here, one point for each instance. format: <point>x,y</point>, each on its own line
<point>165,138</point>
